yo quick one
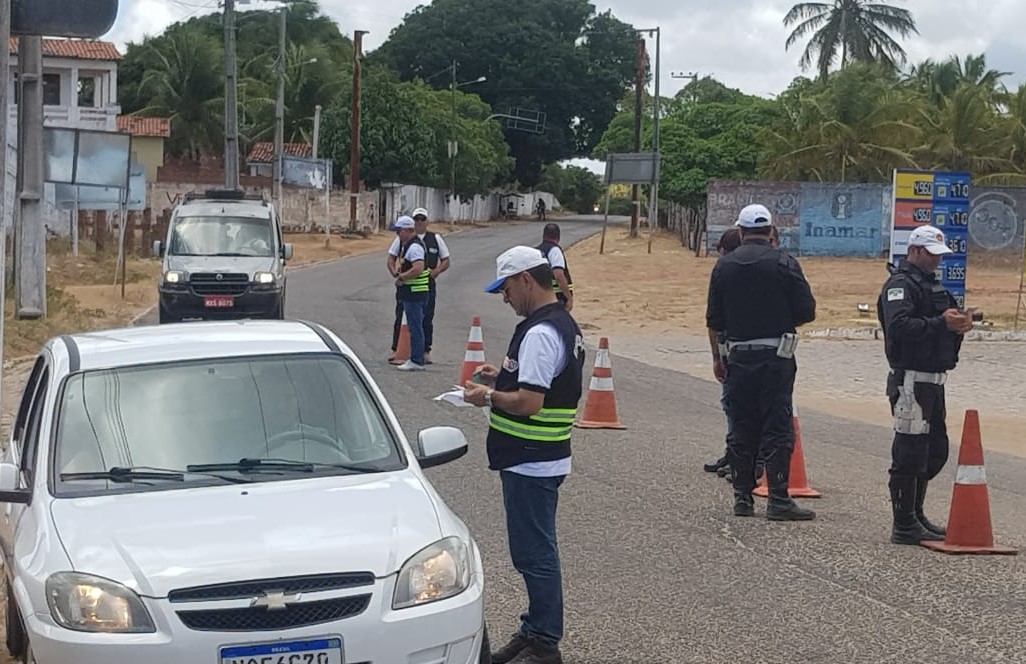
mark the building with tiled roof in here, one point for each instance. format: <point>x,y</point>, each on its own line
<point>144,127</point>
<point>80,83</point>
<point>148,138</point>
<point>261,156</point>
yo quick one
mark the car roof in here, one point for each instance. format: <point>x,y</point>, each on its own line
<point>215,208</point>
<point>155,344</point>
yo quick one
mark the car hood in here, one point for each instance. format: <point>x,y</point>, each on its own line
<point>224,264</point>
<point>156,542</point>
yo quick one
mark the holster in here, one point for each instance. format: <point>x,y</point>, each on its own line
<point>908,414</point>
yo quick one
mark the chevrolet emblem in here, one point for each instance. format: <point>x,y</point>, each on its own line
<point>275,600</point>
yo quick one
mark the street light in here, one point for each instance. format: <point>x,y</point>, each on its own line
<point>454,144</point>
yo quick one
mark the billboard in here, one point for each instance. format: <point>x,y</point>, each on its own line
<point>87,157</point>
<point>840,220</point>
<point>309,173</point>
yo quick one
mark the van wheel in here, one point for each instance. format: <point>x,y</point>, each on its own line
<point>163,316</point>
<point>486,649</point>
<point>16,638</point>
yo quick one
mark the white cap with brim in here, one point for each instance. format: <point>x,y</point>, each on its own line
<point>754,216</point>
<point>419,212</point>
<point>931,239</point>
<point>514,261</point>
<point>403,222</point>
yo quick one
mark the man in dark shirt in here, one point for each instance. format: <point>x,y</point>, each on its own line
<point>923,330</point>
<point>758,296</point>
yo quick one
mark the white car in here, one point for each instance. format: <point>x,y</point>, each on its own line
<point>232,493</point>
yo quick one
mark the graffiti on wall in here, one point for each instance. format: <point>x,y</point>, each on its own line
<point>841,220</point>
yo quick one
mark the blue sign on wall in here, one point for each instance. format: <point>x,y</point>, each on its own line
<point>839,220</point>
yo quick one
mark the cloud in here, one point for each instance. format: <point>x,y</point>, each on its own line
<point>739,42</point>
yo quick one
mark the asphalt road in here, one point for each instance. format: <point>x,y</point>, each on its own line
<point>656,568</point>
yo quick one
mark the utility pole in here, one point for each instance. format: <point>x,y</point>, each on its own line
<point>354,128</point>
<point>639,86</point>
<point>231,102</point>
<point>5,66</point>
<point>317,130</point>
<point>653,204</point>
<point>454,146</point>
<point>29,233</point>
<point>691,74</point>
<point>279,112</point>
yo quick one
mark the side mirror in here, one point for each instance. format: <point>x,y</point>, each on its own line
<point>286,251</point>
<point>10,492</point>
<point>440,445</point>
<point>158,248</point>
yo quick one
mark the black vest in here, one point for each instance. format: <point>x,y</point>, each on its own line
<point>416,288</point>
<point>544,436</point>
<point>430,250</point>
<point>938,349</point>
<point>545,247</point>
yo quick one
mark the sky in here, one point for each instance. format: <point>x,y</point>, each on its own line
<point>738,42</point>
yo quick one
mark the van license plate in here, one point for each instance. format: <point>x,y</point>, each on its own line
<point>317,651</point>
<point>218,302</point>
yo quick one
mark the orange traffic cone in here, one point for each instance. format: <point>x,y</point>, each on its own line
<point>969,529</point>
<point>402,348</point>
<point>600,406</point>
<point>475,356</point>
<point>798,487</point>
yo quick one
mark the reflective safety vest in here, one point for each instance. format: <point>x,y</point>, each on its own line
<point>544,436</point>
<point>545,247</point>
<point>418,285</point>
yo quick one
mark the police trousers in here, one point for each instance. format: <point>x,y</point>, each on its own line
<point>920,455</point>
<point>759,402</point>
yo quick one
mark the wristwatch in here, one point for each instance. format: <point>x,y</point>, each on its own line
<point>488,397</point>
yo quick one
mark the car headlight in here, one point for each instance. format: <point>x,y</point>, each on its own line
<point>86,603</point>
<point>174,277</point>
<point>436,572</point>
<point>264,278</point>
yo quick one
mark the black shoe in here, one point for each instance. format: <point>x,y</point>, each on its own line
<point>907,529</point>
<point>912,533</point>
<point>744,505</point>
<point>724,472</point>
<point>778,510</point>
<point>506,653</point>
<point>921,485</point>
<point>538,652</point>
<point>715,465</point>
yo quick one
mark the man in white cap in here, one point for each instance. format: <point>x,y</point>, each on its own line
<point>533,405</point>
<point>411,280</point>
<point>758,296</point>
<point>923,329</point>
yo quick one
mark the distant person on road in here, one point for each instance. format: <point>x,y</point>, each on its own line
<point>923,329</point>
<point>562,282</point>
<point>411,280</point>
<point>539,207</point>
<point>758,296</point>
<point>533,405</point>
<point>437,262</point>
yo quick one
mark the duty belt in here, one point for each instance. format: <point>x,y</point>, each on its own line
<point>766,343</point>
<point>938,378</point>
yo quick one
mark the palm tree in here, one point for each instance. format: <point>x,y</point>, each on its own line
<point>859,29</point>
<point>938,81</point>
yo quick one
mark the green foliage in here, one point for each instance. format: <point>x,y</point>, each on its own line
<point>554,56</point>
<point>577,188</point>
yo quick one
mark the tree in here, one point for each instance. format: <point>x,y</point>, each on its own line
<point>557,57</point>
<point>859,29</point>
<point>577,188</point>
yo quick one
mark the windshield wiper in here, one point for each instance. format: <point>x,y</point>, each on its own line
<point>144,473</point>
<point>232,254</point>
<point>249,465</point>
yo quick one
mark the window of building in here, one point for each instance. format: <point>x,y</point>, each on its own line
<point>51,89</point>
<point>87,92</point>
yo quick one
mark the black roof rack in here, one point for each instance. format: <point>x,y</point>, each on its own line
<point>223,195</point>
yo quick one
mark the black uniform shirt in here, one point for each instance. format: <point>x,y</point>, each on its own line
<point>910,311</point>
<point>758,291</point>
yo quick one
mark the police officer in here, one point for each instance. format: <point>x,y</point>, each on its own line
<point>533,405</point>
<point>562,282</point>
<point>923,330</point>
<point>758,296</point>
<point>437,261</point>
<point>412,281</point>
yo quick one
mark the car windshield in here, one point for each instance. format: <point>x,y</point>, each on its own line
<point>221,236</point>
<point>260,418</point>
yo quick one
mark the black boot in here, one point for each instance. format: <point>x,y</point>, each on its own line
<point>506,653</point>
<point>920,497</point>
<point>538,652</point>
<point>907,529</point>
<point>744,504</point>
<point>715,465</point>
<point>781,507</point>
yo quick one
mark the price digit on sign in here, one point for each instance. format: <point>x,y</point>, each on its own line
<point>959,218</point>
<point>921,215</point>
<point>922,188</point>
<point>959,190</point>
<point>956,245</point>
<point>956,273</point>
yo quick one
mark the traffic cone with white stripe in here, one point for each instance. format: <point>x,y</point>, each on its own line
<point>798,482</point>
<point>475,355</point>
<point>600,406</point>
<point>402,347</point>
<point>969,528</point>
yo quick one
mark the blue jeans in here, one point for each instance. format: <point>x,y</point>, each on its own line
<point>414,310</point>
<point>530,504</point>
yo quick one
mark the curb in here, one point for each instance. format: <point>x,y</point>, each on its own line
<point>875,334</point>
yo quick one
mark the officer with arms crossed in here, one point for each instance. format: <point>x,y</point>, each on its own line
<point>533,405</point>
<point>562,282</point>
<point>758,296</point>
<point>923,330</point>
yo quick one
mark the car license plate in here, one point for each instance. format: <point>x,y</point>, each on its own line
<point>317,651</point>
<point>215,302</point>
